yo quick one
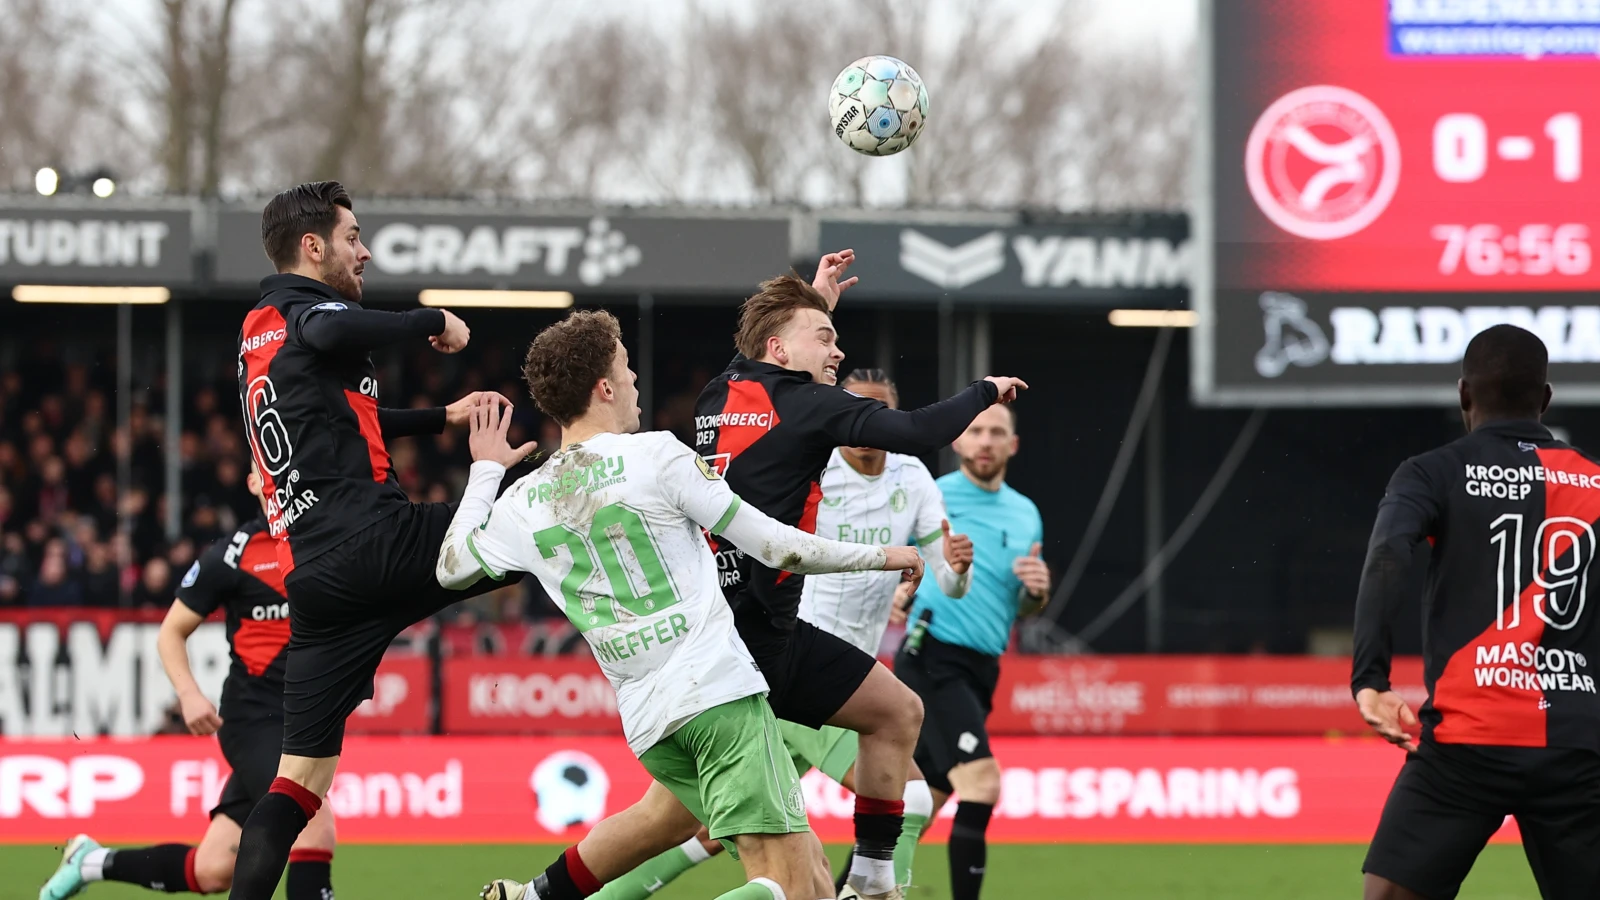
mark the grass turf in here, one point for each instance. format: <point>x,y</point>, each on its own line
<point>1075,871</point>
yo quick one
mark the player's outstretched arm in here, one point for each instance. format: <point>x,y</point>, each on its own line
<point>916,431</point>
<point>483,538</point>
<point>780,547</point>
<point>335,328</point>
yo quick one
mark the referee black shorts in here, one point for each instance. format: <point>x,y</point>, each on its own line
<point>251,748</point>
<point>957,687</point>
<point>1450,798</point>
<point>346,606</point>
<point>810,673</point>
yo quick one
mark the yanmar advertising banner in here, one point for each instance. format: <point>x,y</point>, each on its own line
<point>551,790</point>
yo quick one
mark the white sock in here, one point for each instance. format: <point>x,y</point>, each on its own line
<point>93,867</point>
<point>871,876</point>
<point>695,850</point>
<point>768,883</point>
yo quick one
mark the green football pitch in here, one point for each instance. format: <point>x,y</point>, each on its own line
<point>1070,872</point>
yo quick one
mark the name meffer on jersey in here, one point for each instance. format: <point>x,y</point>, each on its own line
<point>899,507</point>
<point>242,576</point>
<point>312,421</point>
<point>1511,645</point>
<point>609,527</point>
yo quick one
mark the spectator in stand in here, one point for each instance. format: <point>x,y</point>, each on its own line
<point>55,586</point>
<point>155,585</point>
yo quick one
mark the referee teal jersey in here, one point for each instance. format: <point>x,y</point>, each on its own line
<point>1003,525</point>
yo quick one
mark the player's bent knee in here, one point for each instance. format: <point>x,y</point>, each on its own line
<point>977,781</point>
<point>213,873</point>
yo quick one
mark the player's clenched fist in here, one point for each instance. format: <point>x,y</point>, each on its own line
<point>1032,572</point>
<point>454,337</point>
<point>489,427</point>
<point>957,550</point>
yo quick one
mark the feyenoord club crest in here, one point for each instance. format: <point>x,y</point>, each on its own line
<point>1322,162</point>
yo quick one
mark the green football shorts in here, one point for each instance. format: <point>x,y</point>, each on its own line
<point>729,767</point>
<point>829,750</point>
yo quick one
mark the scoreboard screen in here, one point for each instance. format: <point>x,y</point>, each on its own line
<point>1382,179</point>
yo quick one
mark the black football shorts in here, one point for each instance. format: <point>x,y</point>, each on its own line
<point>810,673</point>
<point>346,606</point>
<point>251,748</point>
<point>1450,798</point>
<point>957,687</point>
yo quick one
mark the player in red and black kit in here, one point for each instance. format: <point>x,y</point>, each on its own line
<point>1512,722</point>
<point>770,422</point>
<point>241,576</point>
<point>357,556</point>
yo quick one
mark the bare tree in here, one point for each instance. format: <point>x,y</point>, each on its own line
<point>57,105</point>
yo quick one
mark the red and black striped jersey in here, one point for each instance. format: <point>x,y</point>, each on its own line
<point>243,577</point>
<point>309,394</point>
<point>1510,642</point>
<point>770,431</point>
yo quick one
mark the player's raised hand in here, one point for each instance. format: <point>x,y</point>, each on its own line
<point>460,412</point>
<point>1032,572</point>
<point>488,438</point>
<point>454,337</point>
<point>829,271</point>
<point>1389,716</point>
<point>1009,387</point>
<point>907,560</point>
<point>957,549</point>
<point>199,715</point>
<point>900,608</point>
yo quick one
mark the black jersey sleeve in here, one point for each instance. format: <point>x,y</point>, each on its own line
<point>336,328</point>
<point>407,422</point>
<point>211,580</point>
<point>852,421</point>
<point>1408,514</point>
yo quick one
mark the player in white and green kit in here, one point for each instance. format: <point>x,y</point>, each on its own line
<point>868,497</point>
<point>611,524</point>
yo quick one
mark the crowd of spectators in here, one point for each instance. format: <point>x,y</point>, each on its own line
<point>83,505</point>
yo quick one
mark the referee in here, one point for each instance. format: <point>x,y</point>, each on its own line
<point>1511,726</point>
<point>951,658</point>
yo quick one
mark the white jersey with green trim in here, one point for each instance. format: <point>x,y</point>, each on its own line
<point>901,506</point>
<point>609,527</point>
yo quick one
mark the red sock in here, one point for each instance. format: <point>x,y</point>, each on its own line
<point>309,803</point>
<point>582,878</point>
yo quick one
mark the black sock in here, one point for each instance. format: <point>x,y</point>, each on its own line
<point>164,867</point>
<point>876,835</point>
<point>560,882</point>
<point>969,849</point>
<point>269,831</point>
<point>310,880</point>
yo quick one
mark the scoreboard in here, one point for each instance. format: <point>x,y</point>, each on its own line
<point>1382,179</point>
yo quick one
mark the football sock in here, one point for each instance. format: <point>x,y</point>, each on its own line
<point>755,889</point>
<point>269,832</point>
<point>310,875</point>
<point>655,874</point>
<point>164,867</point>
<point>93,866</point>
<point>878,826</point>
<point>566,879</point>
<point>919,808</point>
<point>969,849</point>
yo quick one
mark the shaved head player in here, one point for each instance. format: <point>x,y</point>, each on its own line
<point>1511,726</point>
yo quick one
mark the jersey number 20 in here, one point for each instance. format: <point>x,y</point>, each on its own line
<point>642,588</point>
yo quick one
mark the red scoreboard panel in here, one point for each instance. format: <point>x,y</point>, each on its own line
<point>1382,179</point>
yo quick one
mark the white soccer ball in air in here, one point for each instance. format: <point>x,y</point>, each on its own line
<point>878,105</point>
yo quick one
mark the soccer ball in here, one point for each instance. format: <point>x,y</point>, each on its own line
<point>878,105</point>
